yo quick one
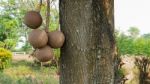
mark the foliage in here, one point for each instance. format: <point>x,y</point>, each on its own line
<point>11,20</point>
<point>26,47</point>
<point>146,36</point>
<point>5,58</point>
<point>10,43</point>
<point>57,53</point>
<point>133,45</point>
<point>55,61</point>
<point>2,44</point>
<point>9,24</point>
<point>134,32</point>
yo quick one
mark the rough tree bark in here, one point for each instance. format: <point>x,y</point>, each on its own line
<point>87,56</point>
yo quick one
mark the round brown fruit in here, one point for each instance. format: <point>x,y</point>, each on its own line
<point>56,39</point>
<point>33,19</point>
<point>44,54</point>
<point>38,38</point>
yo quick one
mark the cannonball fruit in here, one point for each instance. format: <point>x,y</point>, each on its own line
<point>56,39</point>
<point>44,54</point>
<point>33,19</point>
<point>38,38</point>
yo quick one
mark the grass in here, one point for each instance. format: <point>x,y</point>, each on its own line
<point>23,72</point>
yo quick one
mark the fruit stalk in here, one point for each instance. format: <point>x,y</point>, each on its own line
<point>47,16</point>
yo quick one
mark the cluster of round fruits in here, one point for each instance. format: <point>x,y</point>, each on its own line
<point>42,41</point>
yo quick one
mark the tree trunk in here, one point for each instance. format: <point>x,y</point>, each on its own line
<point>87,56</point>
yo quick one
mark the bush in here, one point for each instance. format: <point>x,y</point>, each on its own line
<point>133,46</point>
<point>5,58</point>
<point>2,44</point>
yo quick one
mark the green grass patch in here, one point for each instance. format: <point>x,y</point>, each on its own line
<point>23,72</point>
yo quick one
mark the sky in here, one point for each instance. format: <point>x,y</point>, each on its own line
<point>132,13</point>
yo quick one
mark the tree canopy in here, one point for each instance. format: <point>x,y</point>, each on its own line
<point>12,28</point>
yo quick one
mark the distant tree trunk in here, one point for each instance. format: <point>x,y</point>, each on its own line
<point>87,56</point>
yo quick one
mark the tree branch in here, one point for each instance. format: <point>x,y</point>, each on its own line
<point>38,9</point>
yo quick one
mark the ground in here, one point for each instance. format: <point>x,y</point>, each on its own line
<point>23,71</point>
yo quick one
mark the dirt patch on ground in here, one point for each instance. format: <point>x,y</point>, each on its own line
<point>20,57</point>
<point>130,70</point>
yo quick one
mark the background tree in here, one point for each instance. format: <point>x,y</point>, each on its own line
<point>146,36</point>
<point>12,28</point>
<point>9,26</point>
<point>87,56</point>
<point>133,32</point>
<point>133,46</point>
